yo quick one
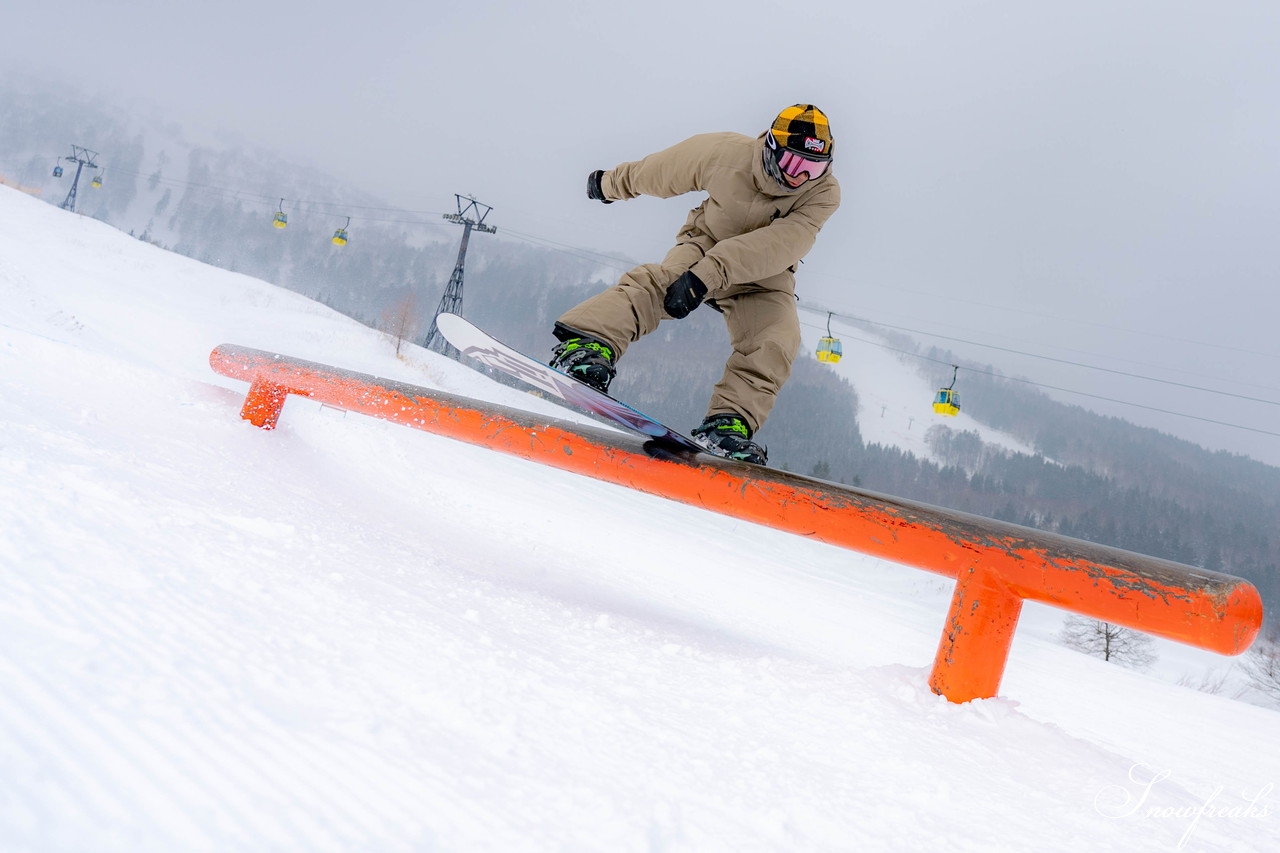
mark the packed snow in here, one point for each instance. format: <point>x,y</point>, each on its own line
<point>348,635</point>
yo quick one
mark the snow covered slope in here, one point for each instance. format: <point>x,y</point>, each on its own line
<point>894,399</point>
<point>347,635</point>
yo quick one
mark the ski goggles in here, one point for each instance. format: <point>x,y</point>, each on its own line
<point>793,165</point>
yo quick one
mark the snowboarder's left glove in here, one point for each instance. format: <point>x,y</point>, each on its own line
<point>594,191</point>
<point>684,294</point>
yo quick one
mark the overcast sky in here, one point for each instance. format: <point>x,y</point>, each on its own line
<point>1093,181</point>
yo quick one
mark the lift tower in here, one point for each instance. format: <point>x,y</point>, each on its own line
<point>451,302</point>
<point>81,157</point>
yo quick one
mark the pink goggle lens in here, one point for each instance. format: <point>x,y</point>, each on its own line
<point>794,165</point>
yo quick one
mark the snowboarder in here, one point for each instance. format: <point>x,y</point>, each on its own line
<point>767,198</point>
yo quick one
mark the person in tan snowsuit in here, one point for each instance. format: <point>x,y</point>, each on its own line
<point>767,198</point>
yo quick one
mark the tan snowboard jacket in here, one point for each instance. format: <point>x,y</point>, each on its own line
<point>750,228</point>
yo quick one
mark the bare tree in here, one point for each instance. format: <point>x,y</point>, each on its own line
<point>1214,682</point>
<point>1262,665</point>
<point>402,320</point>
<point>1109,642</point>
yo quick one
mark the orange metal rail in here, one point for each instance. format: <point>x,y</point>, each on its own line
<point>996,565</point>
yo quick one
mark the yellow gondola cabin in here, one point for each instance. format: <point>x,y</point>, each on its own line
<point>829,348</point>
<point>946,402</point>
<point>340,236</point>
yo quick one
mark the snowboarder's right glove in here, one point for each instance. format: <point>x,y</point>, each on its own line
<point>593,187</point>
<point>684,294</point>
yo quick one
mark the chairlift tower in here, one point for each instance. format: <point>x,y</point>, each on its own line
<point>81,157</point>
<point>469,217</point>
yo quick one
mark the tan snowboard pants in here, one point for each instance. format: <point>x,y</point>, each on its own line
<point>764,329</point>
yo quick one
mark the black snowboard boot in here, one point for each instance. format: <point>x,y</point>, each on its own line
<point>587,359</point>
<point>729,436</point>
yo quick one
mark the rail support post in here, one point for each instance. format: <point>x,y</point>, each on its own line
<point>264,403</point>
<point>975,642</point>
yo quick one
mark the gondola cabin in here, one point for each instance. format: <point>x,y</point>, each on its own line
<point>96,183</point>
<point>947,402</point>
<point>829,347</point>
<point>57,171</point>
<point>340,236</point>
<point>281,219</point>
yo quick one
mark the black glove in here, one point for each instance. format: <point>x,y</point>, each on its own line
<point>593,187</point>
<point>684,294</point>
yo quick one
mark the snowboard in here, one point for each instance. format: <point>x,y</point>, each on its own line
<point>476,343</point>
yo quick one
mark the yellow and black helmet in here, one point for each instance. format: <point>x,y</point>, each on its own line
<point>804,129</point>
